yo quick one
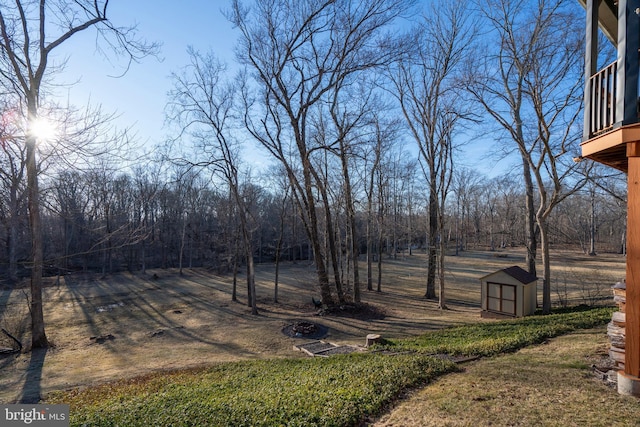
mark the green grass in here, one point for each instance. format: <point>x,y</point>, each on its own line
<point>336,391</point>
<point>488,339</point>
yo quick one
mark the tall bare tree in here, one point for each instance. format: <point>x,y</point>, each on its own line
<point>202,104</point>
<point>352,112</point>
<point>147,187</point>
<point>531,86</point>
<point>298,52</point>
<point>425,85</point>
<point>466,182</point>
<point>71,202</point>
<point>12,187</point>
<point>30,33</point>
<point>384,131</point>
<point>281,198</point>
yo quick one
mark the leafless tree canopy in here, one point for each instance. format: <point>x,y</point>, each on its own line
<point>531,86</point>
<point>361,110</point>
<point>30,31</point>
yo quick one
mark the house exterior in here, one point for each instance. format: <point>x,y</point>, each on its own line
<point>611,94</point>
<point>611,136</point>
<point>510,292</point>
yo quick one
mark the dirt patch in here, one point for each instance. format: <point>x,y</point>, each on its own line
<point>163,320</point>
<point>362,311</point>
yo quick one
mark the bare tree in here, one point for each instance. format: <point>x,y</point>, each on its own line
<point>147,185</point>
<point>383,134</point>
<point>426,87</point>
<point>30,31</point>
<point>352,111</point>
<point>532,87</point>
<point>12,172</point>
<point>465,185</point>
<point>299,51</point>
<point>112,201</point>
<point>202,104</point>
<point>71,199</point>
<point>282,197</point>
<point>507,211</point>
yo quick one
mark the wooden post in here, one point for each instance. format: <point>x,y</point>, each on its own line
<point>590,62</point>
<point>628,44</point>
<point>632,307</point>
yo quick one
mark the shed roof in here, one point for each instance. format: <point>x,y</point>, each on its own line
<point>517,273</point>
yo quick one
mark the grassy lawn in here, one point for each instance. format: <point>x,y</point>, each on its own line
<point>337,391</point>
<point>488,339</point>
<point>543,385</point>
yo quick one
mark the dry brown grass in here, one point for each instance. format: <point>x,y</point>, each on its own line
<point>546,385</point>
<point>175,321</point>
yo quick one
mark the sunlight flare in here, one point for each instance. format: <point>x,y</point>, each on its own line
<point>43,129</point>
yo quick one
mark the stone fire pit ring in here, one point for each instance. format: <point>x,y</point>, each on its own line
<point>305,329</point>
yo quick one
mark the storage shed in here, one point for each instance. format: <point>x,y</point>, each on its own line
<point>510,292</point>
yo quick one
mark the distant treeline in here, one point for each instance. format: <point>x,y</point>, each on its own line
<point>102,221</point>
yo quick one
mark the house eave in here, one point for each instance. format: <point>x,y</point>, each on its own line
<point>607,18</point>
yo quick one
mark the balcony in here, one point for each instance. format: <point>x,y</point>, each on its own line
<point>611,119</point>
<point>608,124</point>
<point>602,98</point>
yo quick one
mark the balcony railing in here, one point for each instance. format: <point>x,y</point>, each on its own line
<point>602,98</point>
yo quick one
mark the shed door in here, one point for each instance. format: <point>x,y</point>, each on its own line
<point>501,298</point>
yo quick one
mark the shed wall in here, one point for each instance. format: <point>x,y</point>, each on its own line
<point>526,294</point>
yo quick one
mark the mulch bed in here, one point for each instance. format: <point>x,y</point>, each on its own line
<point>362,311</point>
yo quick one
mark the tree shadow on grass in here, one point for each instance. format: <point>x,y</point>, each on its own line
<point>33,380</point>
<point>4,296</point>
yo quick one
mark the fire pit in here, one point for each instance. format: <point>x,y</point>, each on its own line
<point>305,329</point>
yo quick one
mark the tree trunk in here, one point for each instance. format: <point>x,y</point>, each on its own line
<point>249,289</point>
<point>530,219</point>
<point>380,244</point>
<point>432,241</point>
<point>184,233</point>
<point>13,236</point>
<point>356,264</point>
<point>352,227</point>
<point>442,302</point>
<point>236,255</point>
<point>248,248</point>
<point>592,225</point>
<point>277,272</point>
<point>321,271</point>
<point>546,266</point>
<point>314,238</point>
<point>333,251</point>
<point>251,280</point>
<point>38,336</point>
<point>369,254</point>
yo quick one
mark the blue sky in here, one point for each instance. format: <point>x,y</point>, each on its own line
<point>139,96</point>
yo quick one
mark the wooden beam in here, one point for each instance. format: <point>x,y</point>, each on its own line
<point>633,149</point>
<point>632,320</point>
<point>611,139</point>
